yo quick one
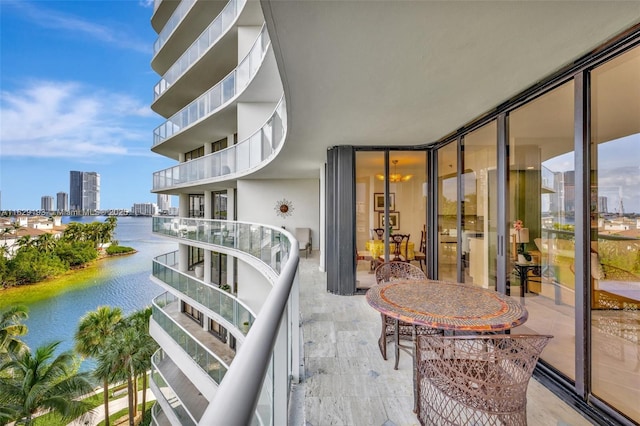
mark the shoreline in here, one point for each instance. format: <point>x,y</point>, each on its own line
<point>73,279</point>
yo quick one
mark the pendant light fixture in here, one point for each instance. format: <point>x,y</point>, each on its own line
<point>395,176</point>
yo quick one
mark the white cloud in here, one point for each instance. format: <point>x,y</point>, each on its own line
<point>71,120</point>
<point>59,21</point>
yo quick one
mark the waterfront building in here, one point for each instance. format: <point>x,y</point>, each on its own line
<point>46,203</point>
<point>84,191</point>
<point>62,201</point>
<point>452,120</point>
<point>144,209</point>
<point>164,203</point>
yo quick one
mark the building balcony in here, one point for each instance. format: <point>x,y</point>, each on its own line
<point>213,114</point>
<point>162,10</point>
<point>178,398</point>
<point>237,160</point>
<point>209,354</point>
<point>267,348</point>
<point>173,67</point>
<point>215,303</point>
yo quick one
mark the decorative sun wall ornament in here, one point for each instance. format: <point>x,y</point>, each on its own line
<point>284,208</point>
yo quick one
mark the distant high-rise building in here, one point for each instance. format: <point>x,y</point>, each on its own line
<point>144,209</point>
<point>164,202</point>
<point>46,203</point>
<point>62,201</point>
<point>84,190</point>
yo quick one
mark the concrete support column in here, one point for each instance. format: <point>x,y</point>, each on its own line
<point>231,215</point>
<point>183,249</point>
<point>207,266</point>
<point>323,203</point>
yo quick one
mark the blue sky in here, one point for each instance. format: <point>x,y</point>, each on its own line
<point>75,89</point>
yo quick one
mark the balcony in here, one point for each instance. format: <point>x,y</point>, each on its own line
<point>212,356</point>
<point>237,160</point>
<point>223,307</point>
<point>212,115</point>
<point>210,36</point>
<point>184,404</point>
<point>258,245</point>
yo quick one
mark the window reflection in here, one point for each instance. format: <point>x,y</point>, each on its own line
<point>615,232</point>
<point>542,220</point>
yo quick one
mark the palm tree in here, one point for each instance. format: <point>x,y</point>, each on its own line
<point>117,362</point>
<point>146,347</point>
<point>94,329</point>
<point>73,232</point>
<point>45,243</point>
<point>109,227</point>
<point>41,382</point>
<point>11,327</point>
<point>25,241</point>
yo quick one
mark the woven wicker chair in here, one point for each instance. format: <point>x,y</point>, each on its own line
<point>474,380</point>
<point>603,299</point>
<point>399,271</point>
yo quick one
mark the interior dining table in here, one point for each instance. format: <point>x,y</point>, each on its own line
<point>376,248</point>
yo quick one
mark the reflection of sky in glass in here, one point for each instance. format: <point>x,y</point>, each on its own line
<point>618,172</point>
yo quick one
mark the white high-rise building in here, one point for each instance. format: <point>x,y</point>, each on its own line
<point>46,203</point>
<point>427,119</point>
<point>62,201</point>
<point>144,209</point>
<point>164,202</point>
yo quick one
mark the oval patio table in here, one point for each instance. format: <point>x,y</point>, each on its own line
<point>447,306</point>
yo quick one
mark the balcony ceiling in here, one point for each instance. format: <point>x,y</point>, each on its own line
<point>410,72</point>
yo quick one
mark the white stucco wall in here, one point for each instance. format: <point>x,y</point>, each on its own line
<point>256,203</point>
<point>257,200</point>
<point>246,38</point>
<point>252,116</point>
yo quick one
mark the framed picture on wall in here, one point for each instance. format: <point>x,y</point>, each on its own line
<point>394,220</point>
<point>378,201</point>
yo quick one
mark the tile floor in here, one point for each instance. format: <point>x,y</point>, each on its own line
<point>346,381</point>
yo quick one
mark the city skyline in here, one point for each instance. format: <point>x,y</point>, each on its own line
<point>79,100</point>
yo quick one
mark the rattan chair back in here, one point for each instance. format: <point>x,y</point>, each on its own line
<point>467,380</point>
<point>397,271</point>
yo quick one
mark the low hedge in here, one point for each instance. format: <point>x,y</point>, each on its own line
<point>119,249</point>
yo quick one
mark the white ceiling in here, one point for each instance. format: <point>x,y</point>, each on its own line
<point>368,72</point>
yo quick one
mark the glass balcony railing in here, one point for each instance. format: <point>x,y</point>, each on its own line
<point>207,38</point>
<point>167,392</point>
<point>238,158</point>
<point>210,363</point>
<point>230,86</point>
<point>267,244</point>
<point>156,413</point>
<point>248,394</point>
<point>177,16</point>
<point>216,300</point>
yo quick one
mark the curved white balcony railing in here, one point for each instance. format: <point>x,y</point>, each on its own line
<point>230,86</point>
<point>164,390</point>
<point>176,17</point>
<point>249,392</point>
<point>205,40</point>
<point>210,363</point>
<point>211,297</point>
<point>238,158</point>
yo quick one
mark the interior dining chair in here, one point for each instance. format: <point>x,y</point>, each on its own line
<point>379,232</point>
<point>474,380</point>
<point>399,271</point>
<point>421,255</point>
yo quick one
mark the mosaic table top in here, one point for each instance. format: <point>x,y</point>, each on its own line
<point>447,306</point>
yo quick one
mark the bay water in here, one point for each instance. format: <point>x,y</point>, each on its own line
<point>121,281</point>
